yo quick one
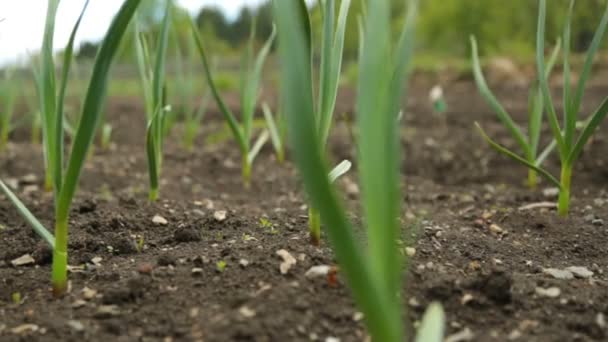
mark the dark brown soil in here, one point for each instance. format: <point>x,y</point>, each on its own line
<point>455,188</point>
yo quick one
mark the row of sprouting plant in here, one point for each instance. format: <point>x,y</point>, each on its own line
<point>374,273</point>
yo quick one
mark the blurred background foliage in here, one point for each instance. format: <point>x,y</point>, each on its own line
<point>502,27</point>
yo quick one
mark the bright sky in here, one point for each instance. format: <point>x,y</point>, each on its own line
<point>22,26</point>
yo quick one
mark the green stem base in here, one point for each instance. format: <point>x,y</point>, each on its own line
<point>153,195</point>
<point>314,226</point>
<point>59,276</point>
<point>532,179</point>
<point>48,181</point>
<point>246,174</point>
<point>563,204</point>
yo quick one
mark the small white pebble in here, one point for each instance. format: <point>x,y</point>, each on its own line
<point>220,215</point>
<point>157,219</point>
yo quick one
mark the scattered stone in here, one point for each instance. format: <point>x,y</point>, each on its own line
<point>247,312</point>
<point>413,302</point>
<point>29,179</point>
<point>474,265</point>
<point>410,251</point>
<point>515,335</point>
<point>199,212</point>
<point>88,293</point>
<point>464,335</point>
<point>558,274</point>
<point>552,292</point>
<point>107,311</point>
<point>551,192</point>
<point>318,271</point>
<point>466,299</point>
<point>220,215</point>
<point>76,325</point>
<point>332,339</point>
<point>197,272</point>
<point>157,219</point>
<point>244,263</point>
<point>288,261</point>
<point>28,189</point>
<point>598,222</point>
<point>145,268</point>
<point>97,261</point>
<point>23,260</point>
<point>580,272</point>
<point>358,316</point>
<point>467,198</point>
<point>600,320</point>
<point>79,303</point>
<point>25,329</point>
<point>494,228</point>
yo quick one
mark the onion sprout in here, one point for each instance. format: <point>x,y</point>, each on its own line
<point>569,146</point>
<point>152,73</point>
<point>251,77</point>
<point>65,181</point>
<point>373,275</point>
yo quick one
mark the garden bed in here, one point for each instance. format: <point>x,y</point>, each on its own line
<point>474,250</point>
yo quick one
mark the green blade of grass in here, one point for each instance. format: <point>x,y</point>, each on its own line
<point>432,328</point>
<point>596,119</point>
<point>257,146</point>
<point>595,45</point>
<point>8,96</point>
<point>248,86</point>
<point>535,119</point>
<point>92,105</point>
<point>59,126</point>
<point>502,114</point>
<point>361,32</point>
<point>159,86</point>
<point>339,170</point>
<point>296,80</point>
<point>325,69</point>
<point>335,66</point>
<point>152,155</point>
<point>544,85</point>
<point>48,97</point>
<point>536,109</point>
<point>143,63</point>
<point>160,60</point>
<point>377,105</point>
<point>275,136</point>
<point>28,216</point>
<point>254,82</point>
<point>545,153</point>
<point>403,55</point>
<point>517,158</point>
<point>232,122</point>
<point>569,113</point>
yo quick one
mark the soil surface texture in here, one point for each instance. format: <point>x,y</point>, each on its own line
<point>204,263</point>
